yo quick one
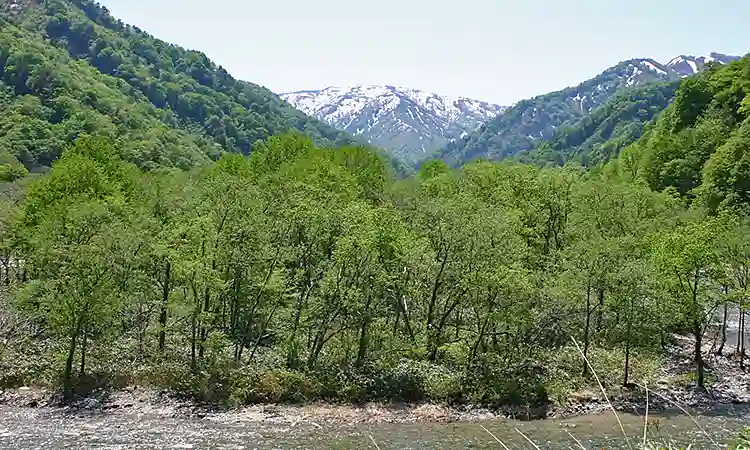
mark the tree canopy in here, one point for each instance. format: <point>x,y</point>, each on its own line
<point>68,68</point>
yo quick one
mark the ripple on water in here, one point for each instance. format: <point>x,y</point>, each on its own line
<point>32,429</point>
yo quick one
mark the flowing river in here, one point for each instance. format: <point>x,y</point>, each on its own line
<point>23,429</point>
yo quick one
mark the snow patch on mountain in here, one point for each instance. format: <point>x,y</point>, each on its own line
<point>650,65</point>
<point>410,122</point>
<point>335,102</point>
<point>688,65</point>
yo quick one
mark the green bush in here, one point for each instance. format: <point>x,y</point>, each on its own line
<point>403,382</point>
<point>10,168</point>
<point>444,385</point>
<point>273,386</point>
<point>488,381</point>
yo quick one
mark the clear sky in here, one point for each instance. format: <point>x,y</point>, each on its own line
<point>494,50</point>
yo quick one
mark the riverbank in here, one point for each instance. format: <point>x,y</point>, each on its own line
<point>728,386</point>
<point>674,386</point>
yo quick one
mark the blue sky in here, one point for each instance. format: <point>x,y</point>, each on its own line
<point>495,50</point>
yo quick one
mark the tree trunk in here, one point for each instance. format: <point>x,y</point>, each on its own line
<point>204,330</point>
<point>739,328</point>
<point>438,330</point>
<point>600,311</point>
<point>401,305</point>
<point>193,361</point>
<point>68,373</point>
<point>262,332</point>
<point>362,350</point>
<point>723,330</point>
<point>433,302</point>
<point>627,359</point>
<point>6,265</point>
<point>627,346</point>
<point>742,339</point>
<point>480,338</point>
<point>82,372</point>
<point>164,303</point>
<point>292,356</point>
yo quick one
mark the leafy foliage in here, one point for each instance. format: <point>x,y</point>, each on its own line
<point>302,272</point>
<point>697,147</point>
<point>68,68</point>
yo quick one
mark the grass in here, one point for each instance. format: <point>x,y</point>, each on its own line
<point>741,443</point>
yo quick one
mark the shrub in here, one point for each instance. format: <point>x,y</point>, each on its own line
<point>273,386</point>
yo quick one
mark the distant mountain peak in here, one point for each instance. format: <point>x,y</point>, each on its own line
<point>687,65</point>
<point>408,122</point>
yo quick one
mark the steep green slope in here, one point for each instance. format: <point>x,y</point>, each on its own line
<point>523,126</point>
<point>77,50</point>
<point>48,99</point>
<point>599,136</point>
<point>700,146</point>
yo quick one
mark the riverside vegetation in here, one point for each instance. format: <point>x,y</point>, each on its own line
<point>300,273</point>
<point>302,267</point>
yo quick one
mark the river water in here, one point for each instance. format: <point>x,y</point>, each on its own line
<point>24,429</point>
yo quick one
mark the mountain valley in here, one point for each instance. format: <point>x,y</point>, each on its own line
<point>177,241</point>
<point>414,125</point>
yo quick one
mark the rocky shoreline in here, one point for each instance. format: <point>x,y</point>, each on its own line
<point>729,386</point>
<point>151,402</point>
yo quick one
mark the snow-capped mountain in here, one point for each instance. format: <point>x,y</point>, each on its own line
<point>529,122</point>
<point>685,66</point>
<point>637,72</point>
<point>409,123</point>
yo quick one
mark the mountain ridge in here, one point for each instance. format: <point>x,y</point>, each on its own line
<point>408,122</point>
<point>182,90</point>
<point>416,125</point>
<point>523,126</point>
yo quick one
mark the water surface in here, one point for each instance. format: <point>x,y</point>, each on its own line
<point>25,429</point>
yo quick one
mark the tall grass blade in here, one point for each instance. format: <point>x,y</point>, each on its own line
<point>695,421</point>
<point>577,441</point>
<point>604,392</point>
<point>373,442</point>
<point>527,439</point>
<point>495,437</point>
<point>645,420</point>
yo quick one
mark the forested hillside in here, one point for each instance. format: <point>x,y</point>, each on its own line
<point>599,136</point>
<point>526,124</point>
<point>699,146</point>
<point>48,99</point>
<point>530,123</point>
<point>69,67</point>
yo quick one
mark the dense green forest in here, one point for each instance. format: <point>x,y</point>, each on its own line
<point>698,148</point>
<point>302,272</point>
<point>69,68</point>
<point>158,249</point>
